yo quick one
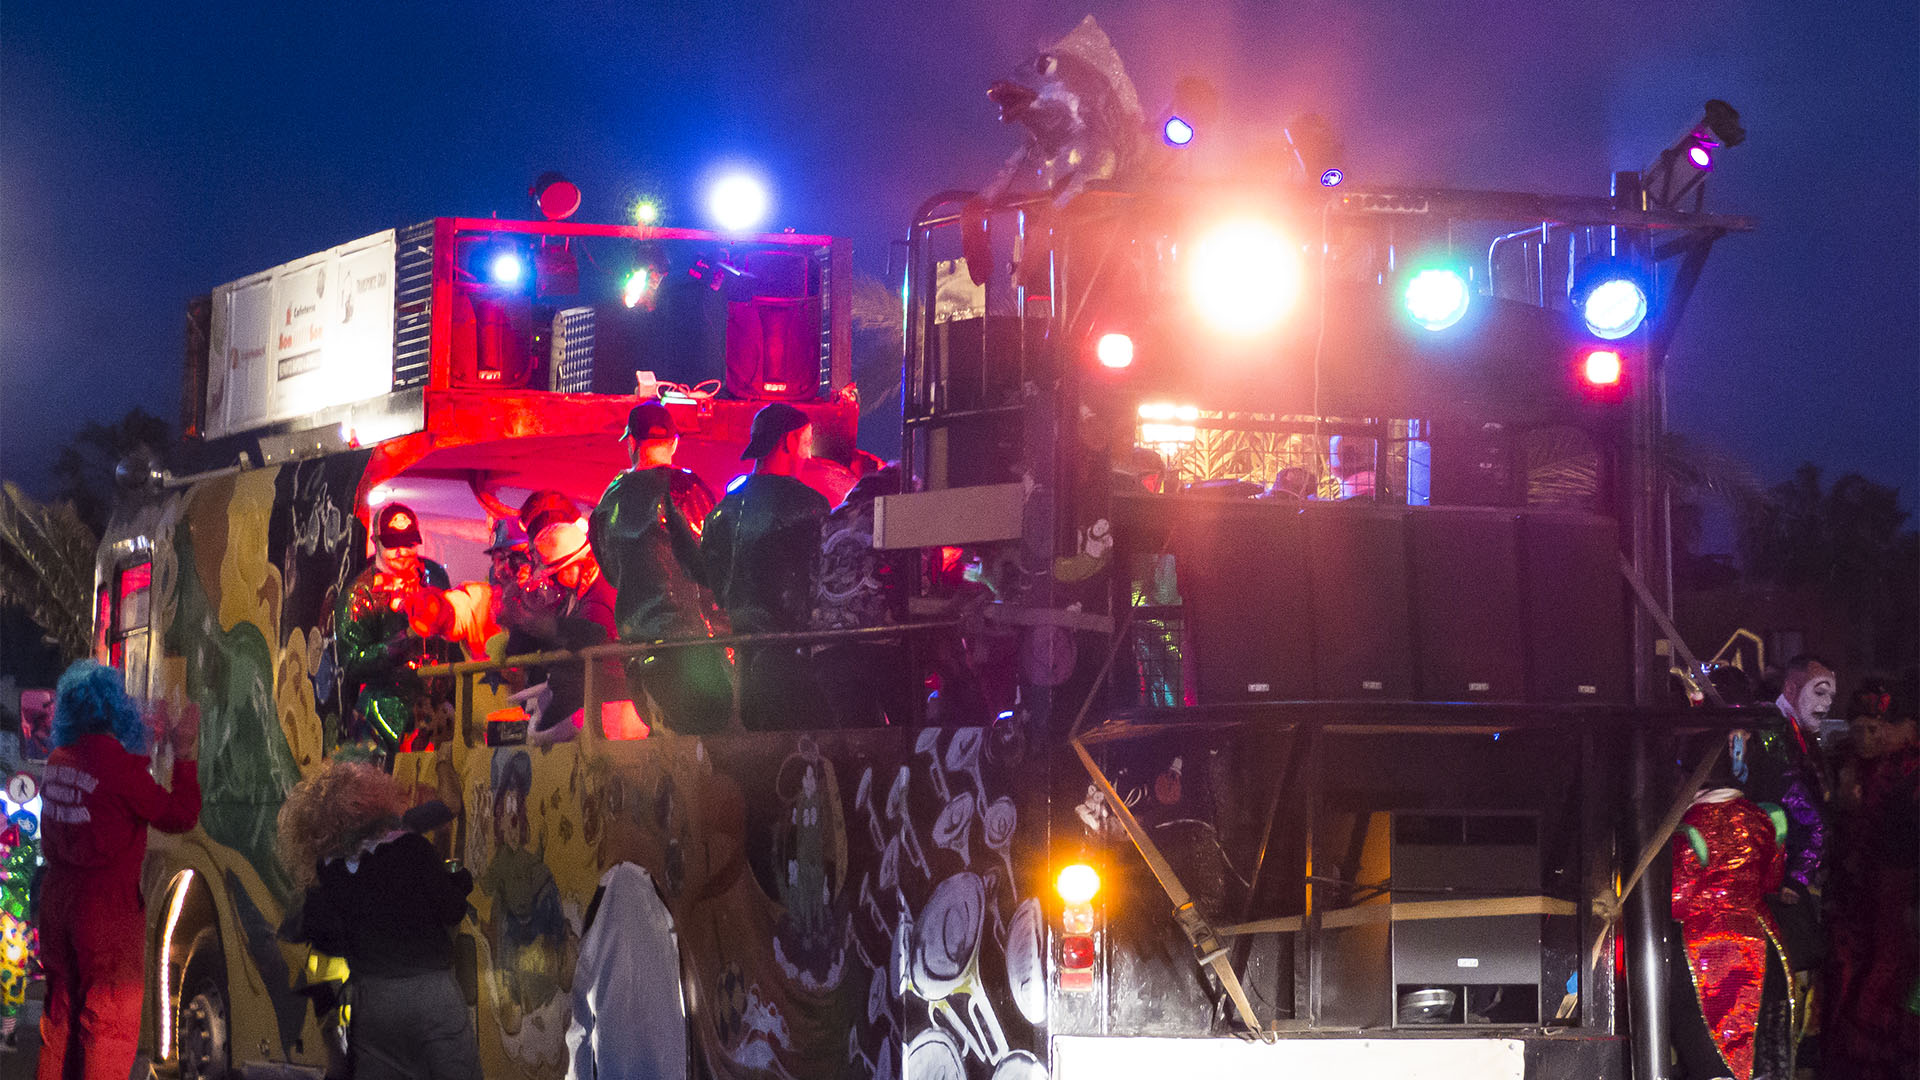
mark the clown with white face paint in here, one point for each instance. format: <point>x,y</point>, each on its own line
<point>1806,698</point>
<point>1781,765</point>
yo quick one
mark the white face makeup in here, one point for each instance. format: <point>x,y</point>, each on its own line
<point>1815,699</point>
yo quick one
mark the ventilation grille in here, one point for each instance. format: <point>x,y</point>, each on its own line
<point>413,305</point>
<point>573,351</point>
<point>826,325</point>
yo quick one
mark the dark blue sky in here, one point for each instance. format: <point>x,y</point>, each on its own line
<point>149,152</point>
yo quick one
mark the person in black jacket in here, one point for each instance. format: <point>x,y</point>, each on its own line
<point>645,534</point>
<point>381,897</point>
<point>759,547</point>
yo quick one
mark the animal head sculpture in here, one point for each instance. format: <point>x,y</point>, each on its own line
<point>1080,113</point>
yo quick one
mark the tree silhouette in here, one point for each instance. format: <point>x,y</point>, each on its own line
<point>84,471</point>
<point>1844,543</point>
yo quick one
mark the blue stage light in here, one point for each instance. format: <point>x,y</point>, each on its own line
<point>1614,307</point>
<point>1177,131</point>
<point>1332,178</point>
<point>507,269</point>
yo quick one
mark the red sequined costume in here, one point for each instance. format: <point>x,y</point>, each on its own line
<point>1727,857</point>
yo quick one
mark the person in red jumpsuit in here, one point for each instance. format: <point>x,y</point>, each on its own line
<point>100,797</point>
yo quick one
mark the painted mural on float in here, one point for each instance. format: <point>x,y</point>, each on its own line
<point>847,904</point>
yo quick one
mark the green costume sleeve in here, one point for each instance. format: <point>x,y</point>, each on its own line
<point>1699,845</point>
<point>1779,817</point>
<point>359,642</point>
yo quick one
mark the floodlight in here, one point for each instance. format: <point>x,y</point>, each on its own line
<point>1244,277</point>
<point>738,202</point>
<point>555,196</point>
<point>1614,308</point>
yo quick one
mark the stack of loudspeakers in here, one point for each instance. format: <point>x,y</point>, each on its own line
<point>1345,602</point>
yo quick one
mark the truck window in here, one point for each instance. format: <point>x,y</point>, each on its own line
<point>127,638</point>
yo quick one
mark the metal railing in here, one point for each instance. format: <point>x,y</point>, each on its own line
<point>594,657</point>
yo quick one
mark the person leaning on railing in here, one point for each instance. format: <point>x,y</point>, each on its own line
<point>649,550</point>
<point>759,546</point>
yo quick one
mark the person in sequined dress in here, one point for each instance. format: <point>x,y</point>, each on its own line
<point>1733,1015</point>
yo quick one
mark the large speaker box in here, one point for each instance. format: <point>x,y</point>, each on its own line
<point>1362,623</point>
<point>1576,609</point>
<point>1466,602</point>
<point>978,361</point>
<point>1244,584</point>
<point>773,346</point>
<point>1491,965</point>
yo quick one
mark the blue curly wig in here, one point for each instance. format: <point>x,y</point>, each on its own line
<point>92,698</point>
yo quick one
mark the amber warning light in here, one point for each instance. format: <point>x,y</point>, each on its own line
<point>1077,885</point>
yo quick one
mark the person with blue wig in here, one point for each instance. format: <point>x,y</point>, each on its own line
<point>99,797</point>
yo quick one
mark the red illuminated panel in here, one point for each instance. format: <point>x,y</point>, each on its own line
<point>102,609</point>
<point>135,591</point>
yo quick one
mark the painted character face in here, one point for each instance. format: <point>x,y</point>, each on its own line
<point>510,820</point>
<point>1815,698</point>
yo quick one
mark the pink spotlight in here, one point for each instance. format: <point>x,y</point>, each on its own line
<point>1700,157</point>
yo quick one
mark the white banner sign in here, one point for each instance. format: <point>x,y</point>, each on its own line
<point>302,337</point>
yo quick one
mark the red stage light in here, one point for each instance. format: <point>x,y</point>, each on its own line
<point>1602,367</point>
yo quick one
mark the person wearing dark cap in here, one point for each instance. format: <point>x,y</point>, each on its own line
<point>759,546</point>
<point>378,651</point>
<point>648,545</point>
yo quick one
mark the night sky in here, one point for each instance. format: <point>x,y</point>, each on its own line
<point>151,151</point>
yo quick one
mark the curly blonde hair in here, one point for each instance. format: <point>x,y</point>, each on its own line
<point>329,813</point>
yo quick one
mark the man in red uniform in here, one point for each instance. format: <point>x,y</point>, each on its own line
<point>99,800</point>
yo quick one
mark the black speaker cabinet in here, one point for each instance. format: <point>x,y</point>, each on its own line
<point>1490,964</point>
<point>1362,623</point>
<point>1246,600</point>
<point>978,361</point>
<point>1576,609</point>
<point>1466,603</point>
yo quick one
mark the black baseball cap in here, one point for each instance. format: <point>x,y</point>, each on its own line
<point>649,420</point>
<point>396,525</point>
<point>770,425</point>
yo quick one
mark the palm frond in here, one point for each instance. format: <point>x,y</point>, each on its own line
<point>46,568</point>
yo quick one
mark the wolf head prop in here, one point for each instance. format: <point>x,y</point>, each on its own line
<point>1080,113</point>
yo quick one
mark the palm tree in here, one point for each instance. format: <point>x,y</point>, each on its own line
<point>1563,469</point>
<point>46,568</point>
